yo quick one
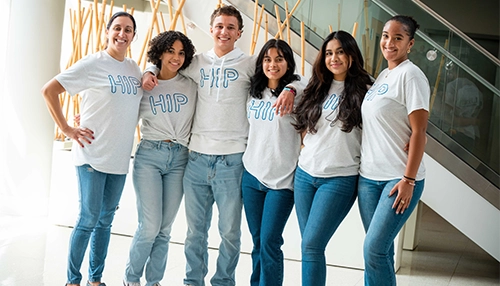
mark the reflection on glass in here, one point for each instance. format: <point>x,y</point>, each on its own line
<point>463,102</point>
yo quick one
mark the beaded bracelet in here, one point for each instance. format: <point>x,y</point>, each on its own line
<point>291,89</point>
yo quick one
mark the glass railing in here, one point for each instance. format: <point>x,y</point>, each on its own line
<point>465,104</point>
<point>477,58</point>
<point>465,93</point>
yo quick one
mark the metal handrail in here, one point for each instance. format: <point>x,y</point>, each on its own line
<point>458,32</point>
<point>449,55</point>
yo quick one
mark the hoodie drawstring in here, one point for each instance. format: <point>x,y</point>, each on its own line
<point>211,79</point>
<point>219,79</point>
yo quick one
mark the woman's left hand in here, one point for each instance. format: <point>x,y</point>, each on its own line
<point>404,195</point>
<point>284,103</point>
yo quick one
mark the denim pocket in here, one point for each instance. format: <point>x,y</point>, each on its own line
<point>183,150</point>
<point>193,155</point>
<point>232,160</point>
<point>148,144</point>
<point>144,146</point>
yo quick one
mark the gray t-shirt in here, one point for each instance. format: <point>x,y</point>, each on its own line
<point>167,110</point>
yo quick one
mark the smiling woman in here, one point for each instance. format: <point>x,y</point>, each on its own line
<point>395,111</point>
<point>120,31</point>
<point>267,183</point>
<point>336,60</point>
<point>329,118</point>
<point>396,43</point>
<point>161,157</point>
<point>105,140</point>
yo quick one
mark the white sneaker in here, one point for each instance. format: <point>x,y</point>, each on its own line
<point>125,283</point>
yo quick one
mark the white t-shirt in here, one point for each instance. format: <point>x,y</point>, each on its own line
<point>386,128</point>
<point>111,93</point>
<point>331,152</point>
<point>167,110</point>
<point>273,144</point>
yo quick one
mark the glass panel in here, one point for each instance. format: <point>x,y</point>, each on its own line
<point>440,33</point>
<point>464,109</point>
<point>465,103</point>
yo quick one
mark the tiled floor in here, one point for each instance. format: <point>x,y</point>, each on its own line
<point>33,252</point>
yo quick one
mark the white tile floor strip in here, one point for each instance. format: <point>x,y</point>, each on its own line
<point>33,252</point>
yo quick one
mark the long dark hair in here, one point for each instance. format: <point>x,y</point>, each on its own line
<point>258,82</point>
<point>309,110</point>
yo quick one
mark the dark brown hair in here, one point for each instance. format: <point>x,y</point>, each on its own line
<point>411,25</point>
<point>227,10</point>
<point>310,108</point>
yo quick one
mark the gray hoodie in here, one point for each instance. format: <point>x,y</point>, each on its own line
<point>220,125</point>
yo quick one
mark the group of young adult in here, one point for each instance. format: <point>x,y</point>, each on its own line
<point>226,128</point>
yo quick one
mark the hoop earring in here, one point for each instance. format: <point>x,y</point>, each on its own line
<point>409,50</point>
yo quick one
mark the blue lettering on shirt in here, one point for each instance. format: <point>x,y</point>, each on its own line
<point>376,89</point>
<point>168,103</point>
<point>332,102</point>
<point>203,77</point>
<point>229,75</point>
<point>128,84</point>
<point>262,111</point>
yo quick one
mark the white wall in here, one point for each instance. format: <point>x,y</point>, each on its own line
<point>29,53</point>
<point>462,207</point>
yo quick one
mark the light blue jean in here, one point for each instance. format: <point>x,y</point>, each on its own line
<point>382,225</point>
<point>267,211</point>
<point>321,205</point>
<point>209,179</point>
<point>157,175</point>
<point>99,195</point>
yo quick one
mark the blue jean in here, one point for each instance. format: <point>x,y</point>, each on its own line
<point>99,195</point>
<point>157,176</point>
<point>209,179</point>
<point>321,205</point>
<point>382,225</point>
<point>267,211</point>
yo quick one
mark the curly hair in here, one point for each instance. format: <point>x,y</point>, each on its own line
<point>258,82</point>
<point>309,109</point>
<point>164,41</point>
